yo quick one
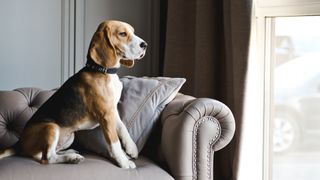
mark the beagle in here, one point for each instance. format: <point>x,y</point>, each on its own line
<point>86,100</point>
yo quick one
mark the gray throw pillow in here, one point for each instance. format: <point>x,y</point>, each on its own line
<point>140,106</point>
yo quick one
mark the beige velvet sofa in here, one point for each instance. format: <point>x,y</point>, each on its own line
<point>190,131</point>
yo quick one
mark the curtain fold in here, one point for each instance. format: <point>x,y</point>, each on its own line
<point>207,42</point>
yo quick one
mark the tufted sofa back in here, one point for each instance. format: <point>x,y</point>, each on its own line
<point>16,108</point>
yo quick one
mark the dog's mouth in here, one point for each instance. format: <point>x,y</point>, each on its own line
<point>124,57</point>
<point>141,55</point>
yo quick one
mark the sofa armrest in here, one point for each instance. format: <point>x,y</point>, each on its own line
<point>193,129</point>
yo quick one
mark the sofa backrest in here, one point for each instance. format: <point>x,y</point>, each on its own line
<point>16,108</point>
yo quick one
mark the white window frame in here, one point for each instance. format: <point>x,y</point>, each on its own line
<point>265,11</point>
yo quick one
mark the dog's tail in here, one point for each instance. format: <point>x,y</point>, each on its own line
<point>7,152</point>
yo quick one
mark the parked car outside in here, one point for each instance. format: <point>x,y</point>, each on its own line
<point>297,103</point>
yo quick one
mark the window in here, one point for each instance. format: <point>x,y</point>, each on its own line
<point>289,52</point>
<point>296,98</point>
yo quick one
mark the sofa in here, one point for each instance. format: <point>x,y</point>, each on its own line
<point>181,146</point>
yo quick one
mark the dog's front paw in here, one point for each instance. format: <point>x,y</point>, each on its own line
<point>132,150</point>
<point>127,165</point>
<point>120,157</point>
<point>132,165</point>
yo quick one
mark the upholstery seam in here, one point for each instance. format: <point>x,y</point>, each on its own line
<point>4,124</point>
<point>131,121</point>
<point>223,117</point>
<point>28,103</point>
<point>213,108</point>
<point>5,121</point>
<point>210,146</point>
<point>183,109</point>
<point>218,112</point>
<point>144,130</point>
<point>17,90</point>
<point>191,115</point>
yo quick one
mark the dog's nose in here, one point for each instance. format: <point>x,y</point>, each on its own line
<point>143,45</point>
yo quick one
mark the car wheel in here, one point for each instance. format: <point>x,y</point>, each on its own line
<point>286,134</point>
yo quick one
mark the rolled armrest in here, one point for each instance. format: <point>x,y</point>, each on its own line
<point>193,129</point>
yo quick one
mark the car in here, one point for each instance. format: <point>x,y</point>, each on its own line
<point>297,103</point>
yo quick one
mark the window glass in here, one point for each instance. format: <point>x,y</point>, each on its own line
<point>296,103</point>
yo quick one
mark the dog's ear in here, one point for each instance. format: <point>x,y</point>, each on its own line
<point>101,49</point>
<point>127,63</point>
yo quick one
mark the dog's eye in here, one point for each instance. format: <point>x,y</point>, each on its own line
<point>123,34</point>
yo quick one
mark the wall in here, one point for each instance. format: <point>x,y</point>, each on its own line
<point>43,42</point>
<point>28,55</point>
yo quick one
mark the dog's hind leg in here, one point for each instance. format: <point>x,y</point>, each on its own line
<point>52,138</point>
<point>68,158</point>
<point>68,151</point>
<point>65,140</point>
<point>40,142</point>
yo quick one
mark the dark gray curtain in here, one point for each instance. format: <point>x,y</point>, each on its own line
<point>207,42</point>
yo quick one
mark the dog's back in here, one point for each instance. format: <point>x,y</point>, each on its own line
<point>65,106</point>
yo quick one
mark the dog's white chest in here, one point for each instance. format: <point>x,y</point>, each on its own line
<point>116,87</point>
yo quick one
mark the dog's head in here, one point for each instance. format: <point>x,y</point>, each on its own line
<point>115,43</point>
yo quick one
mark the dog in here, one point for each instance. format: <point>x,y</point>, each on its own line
<point>87,99</point>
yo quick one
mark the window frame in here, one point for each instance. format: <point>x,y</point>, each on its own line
<point>265,11</point>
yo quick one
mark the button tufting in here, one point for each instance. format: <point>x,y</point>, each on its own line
<point>9,126</point>
<point>31,102</point>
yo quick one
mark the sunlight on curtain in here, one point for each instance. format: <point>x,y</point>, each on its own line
<point>251,146</point>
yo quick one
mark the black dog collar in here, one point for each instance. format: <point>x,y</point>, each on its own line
<point>96,67</point>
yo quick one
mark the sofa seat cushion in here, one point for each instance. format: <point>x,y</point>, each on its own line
<point>93,168</point>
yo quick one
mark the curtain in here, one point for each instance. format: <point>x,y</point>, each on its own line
<point>207,42</point>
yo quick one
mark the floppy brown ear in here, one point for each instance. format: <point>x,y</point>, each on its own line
<point>101,49</point>
<point>127,63</point>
